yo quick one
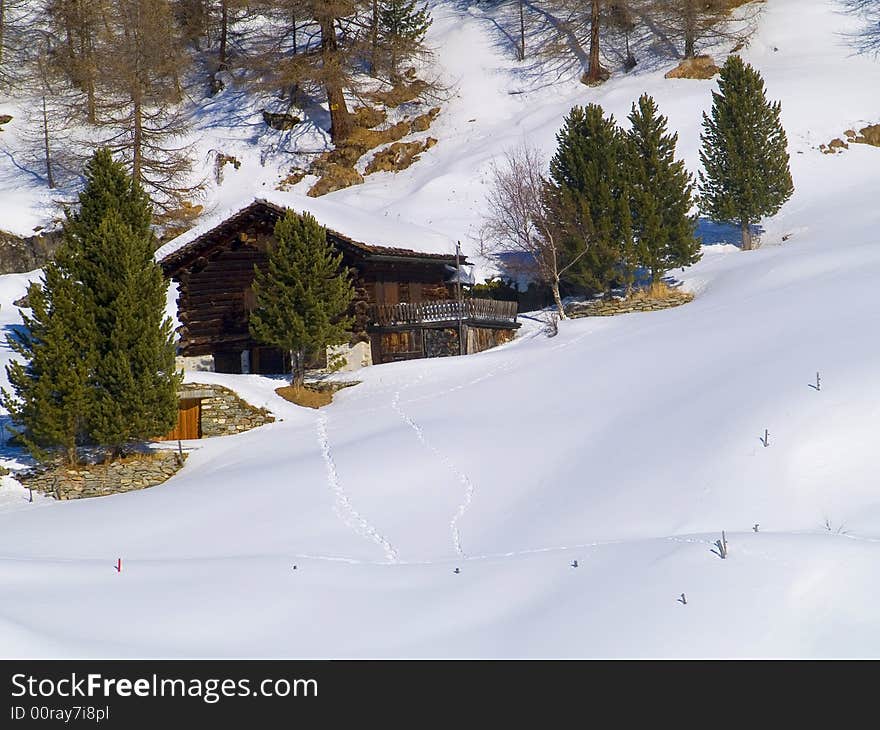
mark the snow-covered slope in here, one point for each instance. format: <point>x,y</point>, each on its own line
<point>627,444</point>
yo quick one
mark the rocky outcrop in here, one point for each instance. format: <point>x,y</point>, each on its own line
<point>19,254</point>
<point>281,122</point>
<point>398,156</point>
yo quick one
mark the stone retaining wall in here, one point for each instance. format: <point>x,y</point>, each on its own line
<point>99,480</point>
<point>610,307</point>
<point>224,413</point>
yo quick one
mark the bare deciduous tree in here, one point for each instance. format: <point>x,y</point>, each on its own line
<point>518,227</point>
<point>142,70</point>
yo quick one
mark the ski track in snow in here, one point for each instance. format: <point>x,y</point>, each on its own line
<point>459,474</point>
<point>346,511</point>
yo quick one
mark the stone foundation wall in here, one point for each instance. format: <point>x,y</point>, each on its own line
<point>99,480</point>
<point>610,307</point>
<point>224,413</point>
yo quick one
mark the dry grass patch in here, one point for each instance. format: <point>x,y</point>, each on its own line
<point>657,290</point>
<point>368,117</point>
<point>305,396</point>
<point>399,93</point>
<point>699,67</point>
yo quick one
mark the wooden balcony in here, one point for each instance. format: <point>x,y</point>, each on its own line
<point>473,312</point>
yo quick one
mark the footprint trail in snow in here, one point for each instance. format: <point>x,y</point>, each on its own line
<point>346,511</point>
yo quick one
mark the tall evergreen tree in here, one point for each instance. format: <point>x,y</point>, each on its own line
<point>50,400</point>
<point>661,192</point>
<point>97,350</point>
<point>109,248</point>
<point>588,190</point>
<point>402,25</point>
<point>303,296</point>
<point>744,152</point>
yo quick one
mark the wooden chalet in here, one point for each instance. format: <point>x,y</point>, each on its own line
<point>405,306</point>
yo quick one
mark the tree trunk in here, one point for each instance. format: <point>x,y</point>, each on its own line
<point>746,236</point>
<point>2,26</point>
<point>224,31</point>
<point>557,299</point>
<point>297,368</point>
<point>690,25</point>
<point>374,38</point>
<point>340,118</point>
<point>46,150</point>
<point>137,140</point>
<point>522,31</point>
<point>594,73</point>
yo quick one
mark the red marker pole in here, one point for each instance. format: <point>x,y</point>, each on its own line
<point>118,565</point>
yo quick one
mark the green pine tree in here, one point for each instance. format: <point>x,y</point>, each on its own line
<point>661,192</point>
<point>744,154</point>
<point>135,380</point>
<point>109,248</point>
<point>51,397</point>
<point>402,25</point>
<point>303,296</point>
<point>588,188</point>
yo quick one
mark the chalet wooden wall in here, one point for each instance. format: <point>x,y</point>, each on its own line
<point>216,295</point>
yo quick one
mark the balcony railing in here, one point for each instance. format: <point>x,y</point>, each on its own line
<point>471,311</point>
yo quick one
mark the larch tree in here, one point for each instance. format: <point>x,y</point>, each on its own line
<point>303,296</point>
<point>14,22</point>
<point>694,23</point>
<point>746,174</point>
<point>661,191</point>
<point>79,34</point>
<point>313,47</point>
<point>142,119</point>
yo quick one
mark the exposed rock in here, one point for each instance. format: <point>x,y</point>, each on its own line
<point>699,67</point>
<point>280,121</point>
<point>422,122</point>
<point>868,135</point>
<point>291,179</point>
<point>4,119</point>
<point>398,156</point>
<point>22,302</point>
<point>220,162</point>
<point>335,177</point>
<point>19,254</point>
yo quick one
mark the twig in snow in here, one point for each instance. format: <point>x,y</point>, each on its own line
<point>574,563</point>
<point>765,439</point>
<point>456,571</point>
<point>818,383</point>
<point>682,600</point>
<point>755,528</point>
<point>721,546</point>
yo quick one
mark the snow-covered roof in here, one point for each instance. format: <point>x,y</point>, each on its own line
<point>381,234</point>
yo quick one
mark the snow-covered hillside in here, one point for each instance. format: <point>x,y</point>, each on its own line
<point>626,444</point>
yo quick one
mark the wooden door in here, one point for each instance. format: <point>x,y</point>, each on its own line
<point>387,292</point>
<point>189,420</point>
